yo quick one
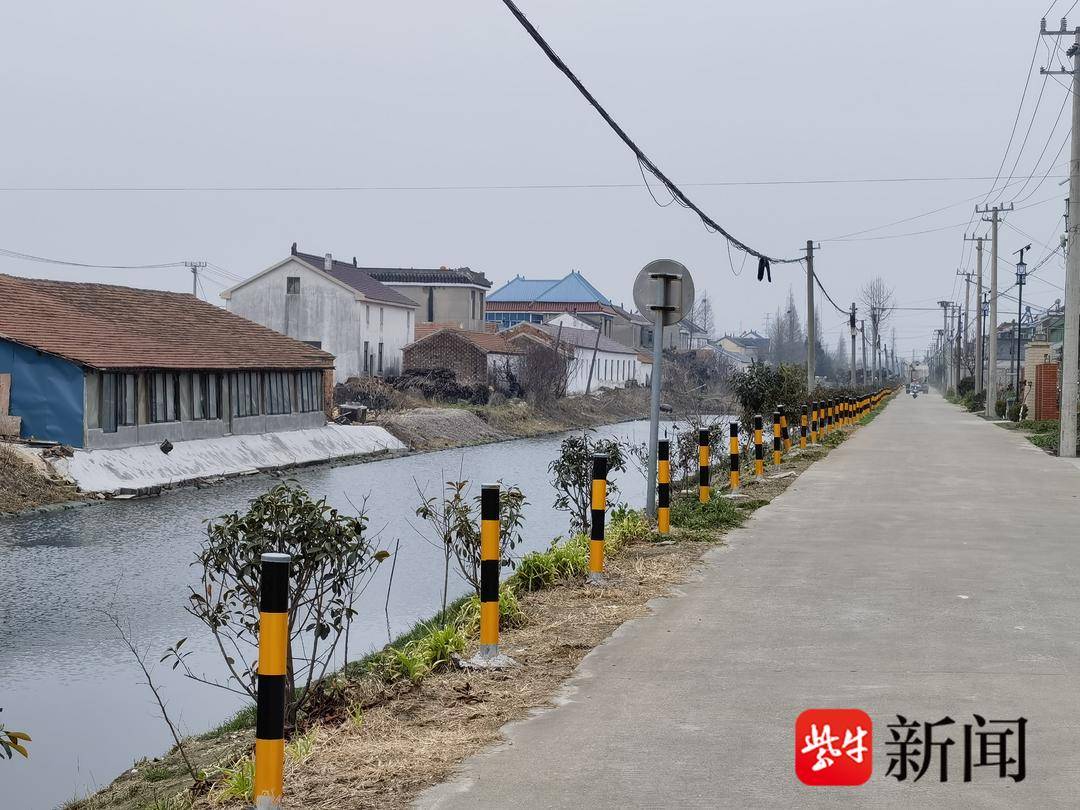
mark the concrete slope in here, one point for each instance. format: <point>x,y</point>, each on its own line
<point>928,567</point>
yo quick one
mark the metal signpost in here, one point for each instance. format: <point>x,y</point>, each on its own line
<point>664,293</point>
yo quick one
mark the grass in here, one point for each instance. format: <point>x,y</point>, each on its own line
<point>716,515</point>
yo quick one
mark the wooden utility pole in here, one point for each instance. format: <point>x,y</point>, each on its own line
<point>994,219</point>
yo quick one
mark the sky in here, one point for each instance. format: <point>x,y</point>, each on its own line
<point>127,123</point>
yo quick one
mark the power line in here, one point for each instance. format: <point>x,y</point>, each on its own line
<point>15,254</point>
<point>675,191</point>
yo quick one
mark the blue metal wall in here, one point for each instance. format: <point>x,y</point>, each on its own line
<point>46,392</point>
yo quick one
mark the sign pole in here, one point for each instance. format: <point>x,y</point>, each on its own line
<point>660,282</point>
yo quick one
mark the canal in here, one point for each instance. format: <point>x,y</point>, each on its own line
<point>65,677</point>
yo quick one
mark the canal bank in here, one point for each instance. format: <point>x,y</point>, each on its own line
<point>67,679</point>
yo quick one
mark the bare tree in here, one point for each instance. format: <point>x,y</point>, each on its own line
<point>545,371</point>
<point>703,314</point>
<point>877,296</point>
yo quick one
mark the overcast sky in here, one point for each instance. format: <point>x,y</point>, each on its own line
<point>123,94</point>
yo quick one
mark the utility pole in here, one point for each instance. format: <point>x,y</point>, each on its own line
<point>874,345</point>
<point>945,378</point>
<point>995,212</point>
<point>965,320</point>
<point>851,325</point>
<point>978,240</point>
<point>195,267</point>
<point>1070,347</point>
<point>862,329</point>
<point>811,338</point>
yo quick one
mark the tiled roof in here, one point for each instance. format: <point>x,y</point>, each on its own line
<point>109,327</point>
<point>489,342</point>
<point>582,338</point>
<point>435,276</point>
<point>358,279</point>
<point>572,287</point>
<point>631,315</point>
<point>546,306</point>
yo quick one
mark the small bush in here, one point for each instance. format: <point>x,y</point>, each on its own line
<point>436,649</point>
<point>625,525</point>
<point>536,570</point>
<point>1040,425</point>
<point>999,408</point>
<point>571,557</point>
<point>510,612</point>
<point>717,514</point>
<point>401,664</point>
<point>1047,441</point>
<point>235,782</point>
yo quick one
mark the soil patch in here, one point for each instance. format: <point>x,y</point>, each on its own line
<point>24,486</point>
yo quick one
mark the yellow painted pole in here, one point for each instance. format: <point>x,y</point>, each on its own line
<point>490,561</point>
<point>704,490</point>
<point>733,460</point>
<point>599,510</point>
<point>268,784</point>
<point>802,429</point>
<point>663,486</point>
<point>777,441</point>
<point>759,448</point>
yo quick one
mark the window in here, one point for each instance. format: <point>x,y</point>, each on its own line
<point>277,392</point>
<point>244,393</point>
<point>367,357</point>
<point>431,305</point>
<point>205,396</point>
<point>164,396</point>
<point>472,304</point>
<point>309,390</point>
<point>380,357</point>
<point>382,317</point>
<point>116,401</point>
<point>292,285</point>
<point>367,315</point>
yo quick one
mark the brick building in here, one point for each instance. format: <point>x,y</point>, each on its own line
<point>472,356</point>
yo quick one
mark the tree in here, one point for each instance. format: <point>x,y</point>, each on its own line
<point>842,361</point>
<point>330,555</point>
<point>571,475</point>
<point>703,315</point>
<point>877,296</point>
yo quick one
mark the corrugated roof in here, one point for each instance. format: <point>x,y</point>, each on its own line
<point>570,288</point>
<point>489,342</point>
<point>109,327</point>
<point>356,278</point>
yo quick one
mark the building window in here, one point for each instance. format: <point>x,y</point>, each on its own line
<point>309,390</point>
<point>292,285</point>
<point>116,401</point>
<point>472,304</point>
<point>205,396</point>
<point>367,315</point>
<point>382,318</point>
<point>277,392</point>
<point>367,357</point>
<point>244,393</point>
<point>431,305</point>
<point>380,357</point>
<point>164,397</point>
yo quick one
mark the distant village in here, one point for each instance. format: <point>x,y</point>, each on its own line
<point>95,366</point>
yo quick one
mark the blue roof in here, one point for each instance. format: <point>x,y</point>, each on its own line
<point>571,288</point>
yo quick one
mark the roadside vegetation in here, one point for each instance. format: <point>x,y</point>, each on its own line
<point>400,719</point>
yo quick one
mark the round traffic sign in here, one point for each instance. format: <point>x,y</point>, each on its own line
<point>679,299</point>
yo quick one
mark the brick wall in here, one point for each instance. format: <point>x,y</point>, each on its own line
<point>1046,394</point>
<point>448,350</point>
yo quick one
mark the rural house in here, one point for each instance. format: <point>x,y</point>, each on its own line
<point>613,365</point>
<point>332,305</point>
<point>536,301</point>
<point>99,366</point>
<point>444,295</point>
<point>474,357</point>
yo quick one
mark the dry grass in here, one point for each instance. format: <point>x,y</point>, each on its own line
<point>24,487</point>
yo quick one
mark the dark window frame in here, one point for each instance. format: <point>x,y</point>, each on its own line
<point>292,285</point>
<point>159,398</point>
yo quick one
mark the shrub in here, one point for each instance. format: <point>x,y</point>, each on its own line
<point>717,514</point>
<point>534,571</point>
<point>571,557</point>
<point>510,612</point>
<point>761,388</point>
<point>1040,425</point>
<point>571,475</point>
<point>1047,441</point>
<point>330,556</point>
<point>625,525</point>
<point>436,648</point>
<point>999,408</point>
<point>401,664</point>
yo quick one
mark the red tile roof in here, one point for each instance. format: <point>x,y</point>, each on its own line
<point>105,326</point>
<point>488,342</point>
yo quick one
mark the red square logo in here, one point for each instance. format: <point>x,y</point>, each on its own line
<point>834,747</point>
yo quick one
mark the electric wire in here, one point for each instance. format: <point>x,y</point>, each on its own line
<point>15,254</point>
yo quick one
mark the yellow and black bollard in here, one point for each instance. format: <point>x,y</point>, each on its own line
<point>785,435</point>
<point>777,441</point>
<point>802,429</point>
<point>599,510</point>
<point>663,486</point>
<point>490,561</point>
<point>703,460</point>
<point>759,448</point>
<point>829,415</point>
<point>813,423</point>
<point>268,783</point>
<point>733,460</point>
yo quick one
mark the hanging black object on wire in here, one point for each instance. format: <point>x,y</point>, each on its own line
<point>763,269</point>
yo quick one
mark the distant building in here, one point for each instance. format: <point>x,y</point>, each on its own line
<point>474,357</point>
<point>748,344</point>
<point>631,328</point>
<point>537,301</point>
<point>613,365</point>
<point>100,366</point>
<point>443,295</point>
<point>332,305</point>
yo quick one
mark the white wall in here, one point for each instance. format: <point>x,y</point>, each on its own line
<point>612,370</point>
<point>327,312</point>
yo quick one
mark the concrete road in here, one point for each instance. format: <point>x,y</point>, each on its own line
<point>926,568</point>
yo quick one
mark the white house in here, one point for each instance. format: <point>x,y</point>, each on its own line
<point>613,364</point>
<point>331,305</point>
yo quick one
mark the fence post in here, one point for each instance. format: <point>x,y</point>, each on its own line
<point>598,517</point>
<point>733,460</point>
<point>777,442</point>
<point>268,783</point>
<point>802,429</point>
<point>663,486</point>
<point>759,449</point>
<point>704,490</point>
<point>490,560</point>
